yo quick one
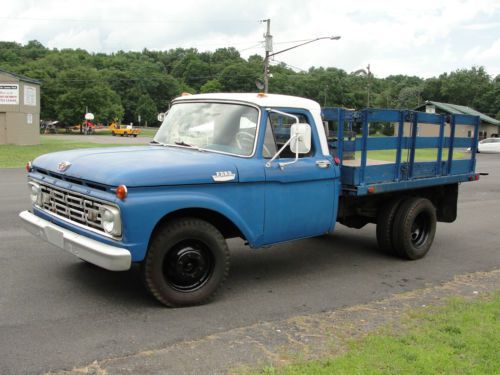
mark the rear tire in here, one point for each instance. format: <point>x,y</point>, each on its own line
<point>385,224</point>
<point>187,261</point>
<point>414,228</point>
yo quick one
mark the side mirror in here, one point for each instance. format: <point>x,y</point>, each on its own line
<point>160,117</point>
<point>301,138</point>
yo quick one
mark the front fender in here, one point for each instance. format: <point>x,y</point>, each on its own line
<point>242,204</point>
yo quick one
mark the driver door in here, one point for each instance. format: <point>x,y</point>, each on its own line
<point>300,197</point>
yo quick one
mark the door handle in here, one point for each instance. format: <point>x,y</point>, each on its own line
<point>323,163</point>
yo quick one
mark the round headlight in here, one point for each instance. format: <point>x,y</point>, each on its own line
<point>34,193</point>
<point>108,220</point>
<point>111,223</point>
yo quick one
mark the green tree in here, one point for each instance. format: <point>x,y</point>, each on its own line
<point>465,86</point>
<point>409,97</point>
<point>113,84</point>
<point>212,85</point>
<point>146,108</point>
<point>84,89</point>
<point>238,77</point>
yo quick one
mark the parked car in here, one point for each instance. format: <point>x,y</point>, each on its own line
<point>489,146</point>
<point>124,130</point>
<point>48,127</point>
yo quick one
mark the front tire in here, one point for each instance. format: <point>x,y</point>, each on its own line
<point>187,261</point>
<point>414,228</point>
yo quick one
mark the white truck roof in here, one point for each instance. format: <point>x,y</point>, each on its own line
<point>263,100</point>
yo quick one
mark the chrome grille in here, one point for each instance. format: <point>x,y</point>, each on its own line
<point>75,207</point>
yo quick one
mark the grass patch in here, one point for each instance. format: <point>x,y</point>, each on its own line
<point>14,156</point>
<point>421,154</point>
<point>149,132</point>
<point>459,338</point>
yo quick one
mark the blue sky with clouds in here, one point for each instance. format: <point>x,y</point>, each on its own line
<point>423,38</point>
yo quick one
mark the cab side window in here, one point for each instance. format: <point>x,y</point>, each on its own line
<point>278,133</point>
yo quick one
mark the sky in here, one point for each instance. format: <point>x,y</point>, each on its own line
<point>423,38</point>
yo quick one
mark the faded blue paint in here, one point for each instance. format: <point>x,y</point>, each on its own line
<point>409,174</point>
<point>268,205</point>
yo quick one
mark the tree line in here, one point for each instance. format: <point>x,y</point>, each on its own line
<point>123,85</point>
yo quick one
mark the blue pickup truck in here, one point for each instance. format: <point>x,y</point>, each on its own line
<point>264,168</point>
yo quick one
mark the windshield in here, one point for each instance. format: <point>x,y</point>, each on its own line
<point>228,128</point>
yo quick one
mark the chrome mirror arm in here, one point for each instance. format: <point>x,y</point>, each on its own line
<point>282,165</point>
<point>295,137</point>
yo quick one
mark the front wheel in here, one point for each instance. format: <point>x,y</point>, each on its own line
<point>187,261</point>
<point>414,228</point>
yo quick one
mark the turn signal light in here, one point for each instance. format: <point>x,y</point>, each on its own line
<point>28,167</point>
<point>371,189</point>
<point>121,192</point>
<point>336,159</point>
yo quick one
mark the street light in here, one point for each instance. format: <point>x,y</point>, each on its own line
<point>369,75</point>
<point>268,55</point>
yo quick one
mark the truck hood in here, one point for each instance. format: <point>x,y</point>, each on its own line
<point>141,165</point>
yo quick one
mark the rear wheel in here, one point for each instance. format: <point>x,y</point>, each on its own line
<point>187,261</point>
<point>113,134</point>
<point>414,228</point>
<point>385,223</point>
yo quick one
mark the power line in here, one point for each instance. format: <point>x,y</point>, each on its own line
<point>163,21</point>
<point>258,45</point>
<point>291,66</point>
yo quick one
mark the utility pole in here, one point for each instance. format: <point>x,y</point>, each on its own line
<point>369,75</point>
<point>269,48</point>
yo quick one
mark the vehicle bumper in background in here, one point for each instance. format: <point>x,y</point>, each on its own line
<point>106,256</point>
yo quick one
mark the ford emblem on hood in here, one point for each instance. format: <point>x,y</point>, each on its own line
<point>63,166</point>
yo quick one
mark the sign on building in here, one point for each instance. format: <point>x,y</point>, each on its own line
<point>29,95</point>
<point>9,94</point>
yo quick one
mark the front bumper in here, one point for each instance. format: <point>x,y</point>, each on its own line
<point>106,256</point>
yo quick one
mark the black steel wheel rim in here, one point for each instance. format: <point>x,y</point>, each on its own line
<point>188,265</point>
<point>420,230</point>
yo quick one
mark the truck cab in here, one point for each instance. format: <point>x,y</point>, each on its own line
<point>253,166</point>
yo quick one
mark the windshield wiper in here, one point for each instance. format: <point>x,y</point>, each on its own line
<point>157,143</point>
<point>182,143</point>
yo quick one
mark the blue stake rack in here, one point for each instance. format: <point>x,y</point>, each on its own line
<point>364,175</point>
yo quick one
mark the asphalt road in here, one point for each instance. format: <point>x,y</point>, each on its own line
<point>57,312</point>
